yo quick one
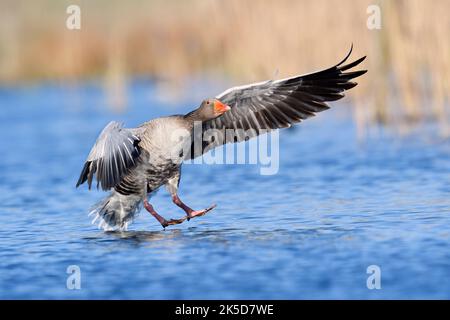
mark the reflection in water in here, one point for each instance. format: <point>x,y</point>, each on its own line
<point>146,236</point>
<point>190,236</point>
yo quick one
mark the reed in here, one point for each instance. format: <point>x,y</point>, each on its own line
<point>408,58</point>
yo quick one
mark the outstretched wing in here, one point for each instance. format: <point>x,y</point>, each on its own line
<point>114,153</point>
<point>277,104</point>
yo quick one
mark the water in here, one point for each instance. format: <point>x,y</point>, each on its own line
<point>335,207</point>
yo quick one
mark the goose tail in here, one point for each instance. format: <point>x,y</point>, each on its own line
<point>116,211</point>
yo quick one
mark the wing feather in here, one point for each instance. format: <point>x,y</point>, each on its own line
<point>281,103</point>
<point>115,152</point>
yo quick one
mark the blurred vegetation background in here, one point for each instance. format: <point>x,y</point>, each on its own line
<point>241,40</point>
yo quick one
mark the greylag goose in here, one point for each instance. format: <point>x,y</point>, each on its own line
<point>136,162</point>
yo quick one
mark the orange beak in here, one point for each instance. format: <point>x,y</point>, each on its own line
<point>220,108</point>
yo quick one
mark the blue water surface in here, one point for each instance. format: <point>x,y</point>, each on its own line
<point>336,206</point>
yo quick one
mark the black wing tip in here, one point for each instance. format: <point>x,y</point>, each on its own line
<point>363,72</point>
<point>347,56</point>
<point>356,62</point>
<point>352,64</point>
<point>84,174</point>
<point>353,74</point>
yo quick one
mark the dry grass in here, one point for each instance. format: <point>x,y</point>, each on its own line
<point>408,59</point>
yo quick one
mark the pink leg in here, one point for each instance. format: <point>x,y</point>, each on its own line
<point>190,212</point>
<point>161,219</point>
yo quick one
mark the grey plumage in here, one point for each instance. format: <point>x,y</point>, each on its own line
<point>136,162</point>
<point>116,211</point>
<point>114,153</point>
<point>260,107</point>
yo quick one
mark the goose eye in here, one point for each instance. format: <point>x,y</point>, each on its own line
<point>207,102</point>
